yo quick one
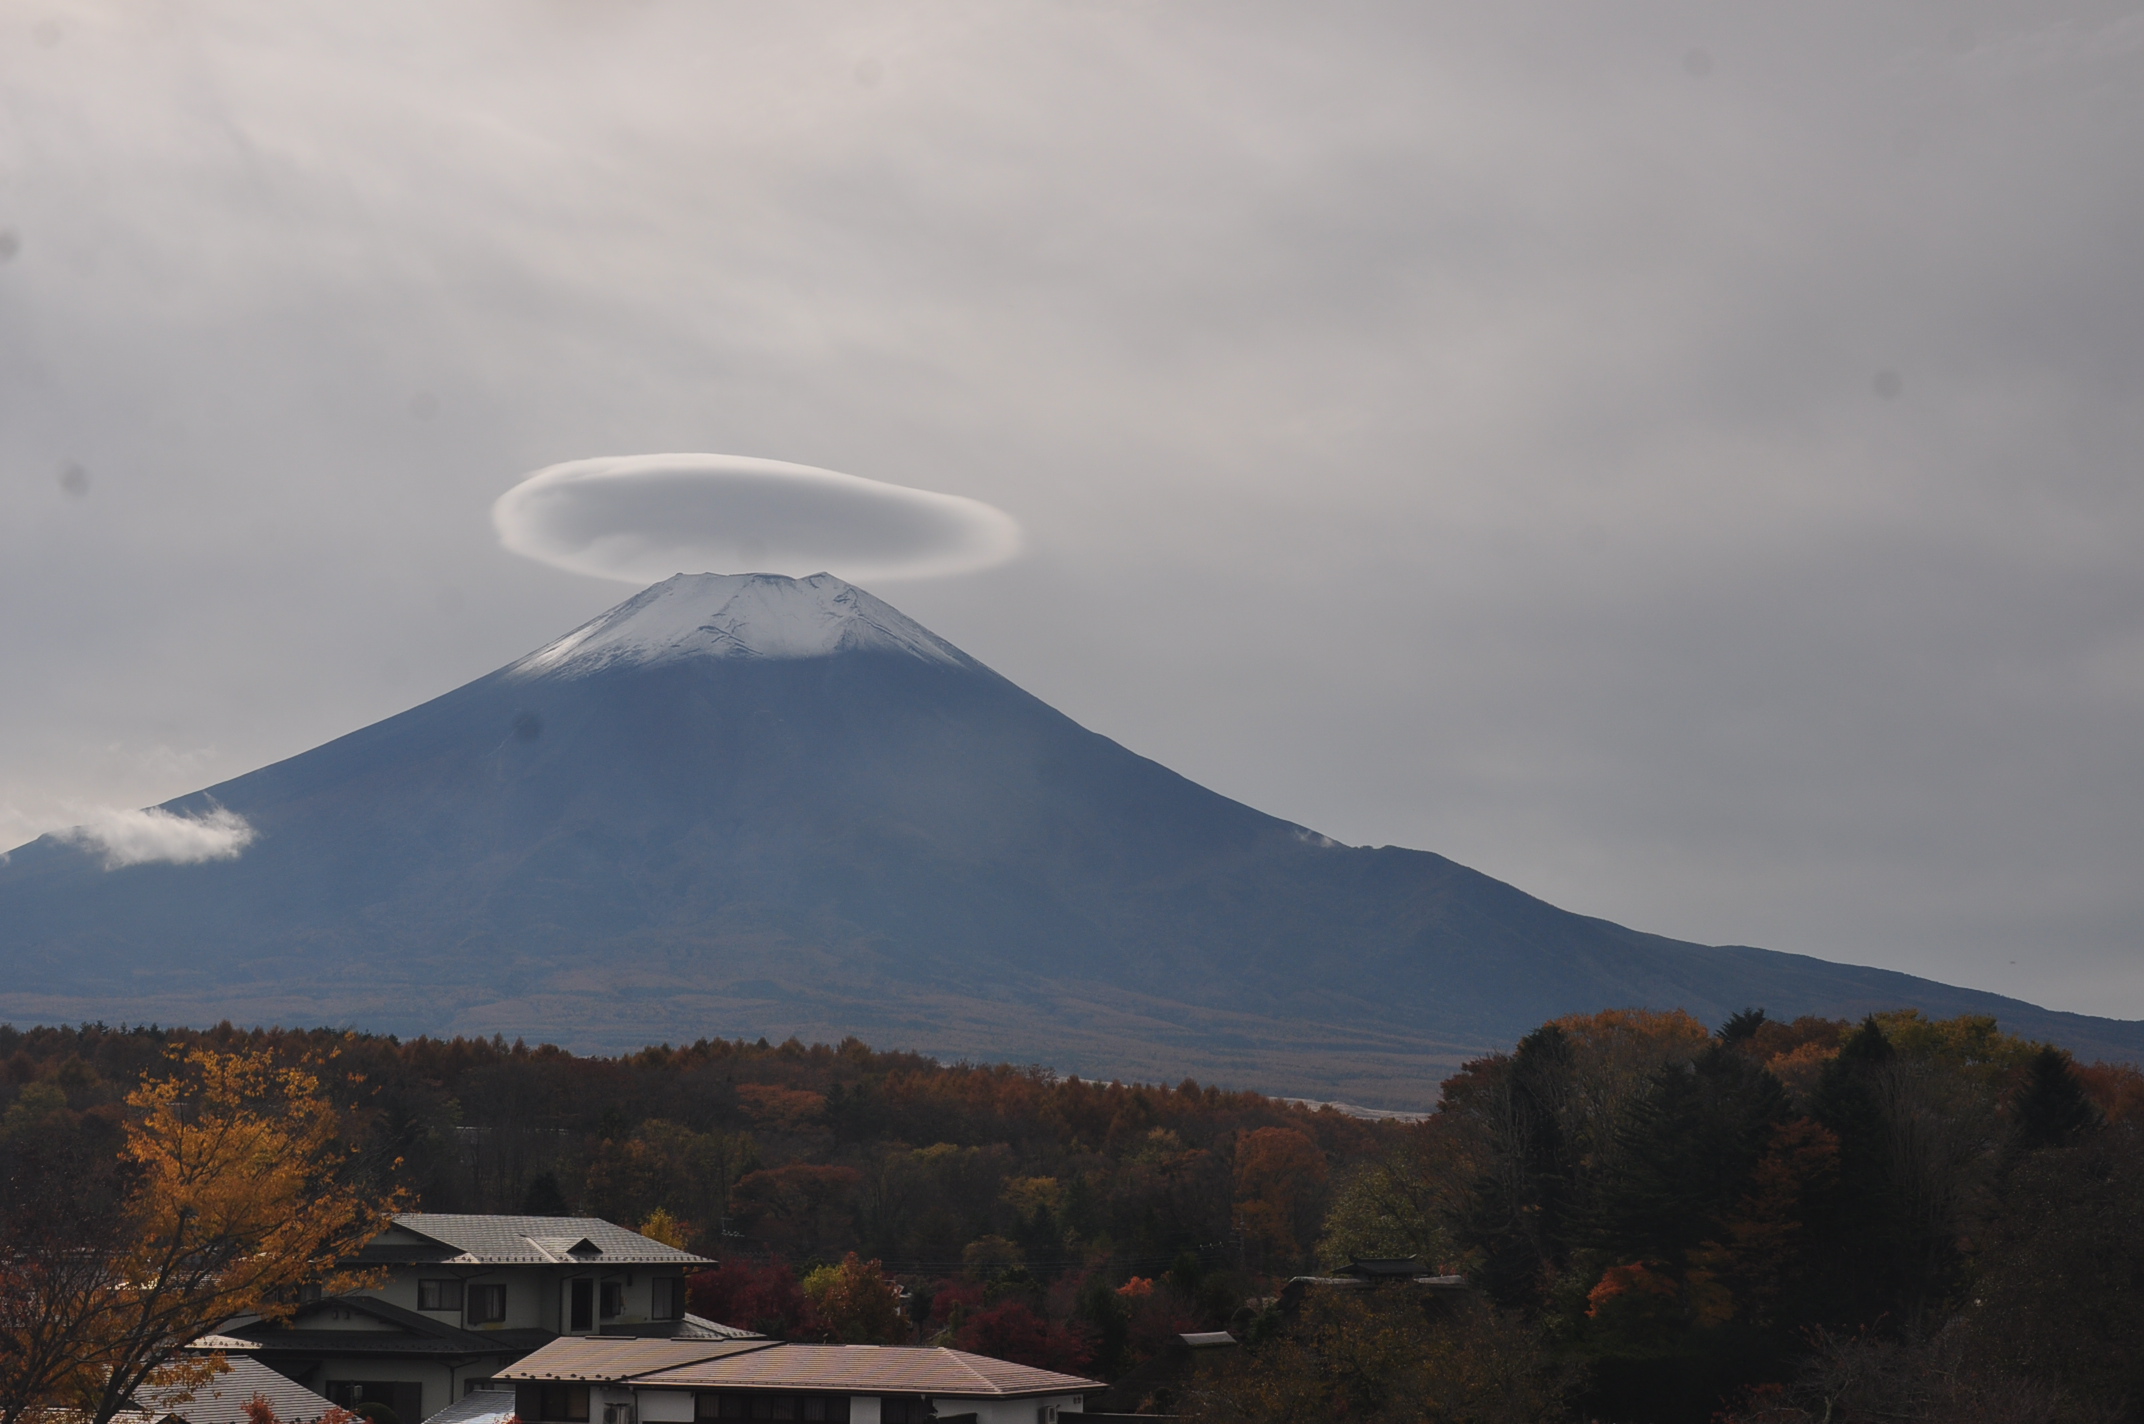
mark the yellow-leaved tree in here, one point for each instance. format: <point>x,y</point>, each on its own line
<point>237,1188</point>
<point>853,1303</point>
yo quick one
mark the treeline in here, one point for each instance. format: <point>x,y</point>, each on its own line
<point>1031,1215</point>
<point>1898,1219</point>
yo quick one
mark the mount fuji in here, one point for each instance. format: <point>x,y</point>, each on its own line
<point>748,804</point>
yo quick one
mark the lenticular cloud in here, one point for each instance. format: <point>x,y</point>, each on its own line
<point>145,837</point>
<point>641,518</point>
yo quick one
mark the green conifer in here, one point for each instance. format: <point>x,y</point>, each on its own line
<point>2051,1106</point>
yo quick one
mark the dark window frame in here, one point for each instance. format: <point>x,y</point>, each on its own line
<point>439,1295</point>
<point>493,1296</point>
<point>610,1300</point>
<point>666,1298</point>
<point>557,1403</point>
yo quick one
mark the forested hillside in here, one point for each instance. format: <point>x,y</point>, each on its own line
<point>1896,1219</point>
<point>790,1153</point>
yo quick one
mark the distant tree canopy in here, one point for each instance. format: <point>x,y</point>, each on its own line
<point>783,1149</point>
<point>1709,1222</point>
<point>997,1195</point>
<point>1899,1218</point>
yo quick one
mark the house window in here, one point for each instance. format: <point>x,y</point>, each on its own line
<point>669,1298</point>
<point>564,1403</point>
<point>904,1409</point>
<point>613,1299</point>
<point>439,1295</point>
<point>487,1305</point>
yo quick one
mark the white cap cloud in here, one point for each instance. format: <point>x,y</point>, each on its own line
<point>641,518</point>
<point>148,836</point>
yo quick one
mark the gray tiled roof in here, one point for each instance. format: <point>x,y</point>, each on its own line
<point>699,1327</point>
<point>482,1406</point>
<point>223,1399</point>
<point>538,1241</point>
<point>221,1342</point>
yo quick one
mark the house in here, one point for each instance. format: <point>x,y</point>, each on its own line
<point>1361,1274</point>
<point>462,1297</point>
<point>1385,1268</point>
<point>584,1381</point>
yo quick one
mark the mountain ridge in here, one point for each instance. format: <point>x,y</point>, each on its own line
<point>873,838</point>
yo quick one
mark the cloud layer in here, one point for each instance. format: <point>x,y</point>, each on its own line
<point>147,836</point>
<point>641,518</point>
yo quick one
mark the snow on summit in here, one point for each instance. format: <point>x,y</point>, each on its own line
<point>738,616</point>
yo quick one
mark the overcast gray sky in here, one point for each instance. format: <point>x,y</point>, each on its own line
<point>1683,459</point>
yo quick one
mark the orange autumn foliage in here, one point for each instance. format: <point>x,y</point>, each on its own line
<point>240,1192</point>
<point>2117,1089</point>
<point>1280,1176</point>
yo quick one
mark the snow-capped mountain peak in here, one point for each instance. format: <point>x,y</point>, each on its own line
<point>738,616</point>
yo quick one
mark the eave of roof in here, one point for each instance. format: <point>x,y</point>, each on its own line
<point>226,1343</point>
<point>279,1344</point>
<point>412,1324</point>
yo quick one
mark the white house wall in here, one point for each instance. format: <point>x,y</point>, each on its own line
<point>666,1406</point>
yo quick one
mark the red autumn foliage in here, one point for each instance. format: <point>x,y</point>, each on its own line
<point>755,1295</point>
<point>956,1292</point>
<point>1012,1330</point>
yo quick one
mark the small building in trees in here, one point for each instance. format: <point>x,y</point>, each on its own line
<point>613,1381</point>
<point>466,1296</point>
<point>1387,1268</point>
<point>1402,1273</point>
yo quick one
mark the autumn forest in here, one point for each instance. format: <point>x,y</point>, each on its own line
<point>1896,1219</point>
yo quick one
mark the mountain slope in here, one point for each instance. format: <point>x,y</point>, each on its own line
<point>760,805</point>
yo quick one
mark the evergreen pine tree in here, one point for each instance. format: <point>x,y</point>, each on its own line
<point>1742,1027</point>
<point>1685,1155</point>
<point>1519,1211</point>
<point>2051,1107</point>
<point>544,1197</point>
<point>1862,1227</point>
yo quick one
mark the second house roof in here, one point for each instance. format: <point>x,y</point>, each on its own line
<point>445,1238</point>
